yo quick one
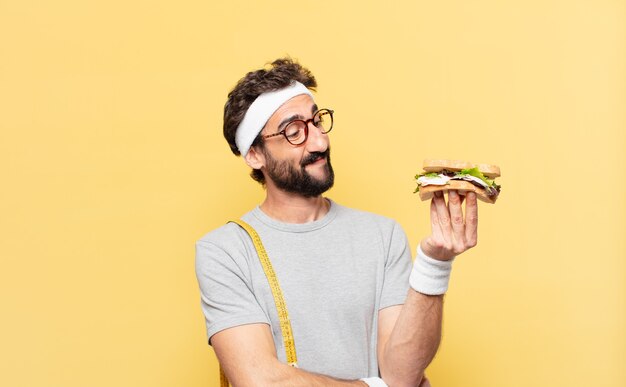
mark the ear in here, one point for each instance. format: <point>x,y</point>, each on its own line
<point>255,159</point>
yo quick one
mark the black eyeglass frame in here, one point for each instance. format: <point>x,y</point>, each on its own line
<point>320,112</point>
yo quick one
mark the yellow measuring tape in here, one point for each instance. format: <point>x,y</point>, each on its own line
<point>281,306</point>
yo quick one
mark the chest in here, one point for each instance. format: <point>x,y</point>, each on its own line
<point>324,277</point>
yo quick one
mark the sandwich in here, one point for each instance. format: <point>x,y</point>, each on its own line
<point>461,176</point>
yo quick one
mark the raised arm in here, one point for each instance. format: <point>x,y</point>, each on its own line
<point>409,335</point>
<point>248,357</point>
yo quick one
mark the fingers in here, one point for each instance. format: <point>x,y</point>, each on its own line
<point>457,222</point>
<point>471,220</point>
<point>452,232</point>
<point>434,222</point>
<point>443,218</point>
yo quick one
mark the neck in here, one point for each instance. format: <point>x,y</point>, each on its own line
<point>293,208</point>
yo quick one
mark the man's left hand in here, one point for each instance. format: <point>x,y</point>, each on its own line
<point>452,233</point>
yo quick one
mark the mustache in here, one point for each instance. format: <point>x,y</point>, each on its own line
<point>314,156</point>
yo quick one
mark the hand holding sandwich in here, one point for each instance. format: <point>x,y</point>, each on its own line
<point>415,327</point>
<point>452,232</point>
<point>416,333</point>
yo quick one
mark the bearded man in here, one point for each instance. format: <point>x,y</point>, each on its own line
<point>360,312</point>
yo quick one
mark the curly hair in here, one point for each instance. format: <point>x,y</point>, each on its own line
<point>278,75</point>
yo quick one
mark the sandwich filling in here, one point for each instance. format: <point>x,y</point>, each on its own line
<point>473,175</point>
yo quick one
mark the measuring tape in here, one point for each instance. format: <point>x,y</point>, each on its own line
<point>281,306</point>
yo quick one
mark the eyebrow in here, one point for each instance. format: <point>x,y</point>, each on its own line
<point>287,120</point>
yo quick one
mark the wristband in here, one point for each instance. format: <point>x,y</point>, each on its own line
<point>374,382</point>
<point>430,276</point>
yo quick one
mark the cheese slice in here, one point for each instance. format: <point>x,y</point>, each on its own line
<point>435,180</point>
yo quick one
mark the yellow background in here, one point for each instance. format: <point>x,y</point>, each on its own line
<point>112,164</point>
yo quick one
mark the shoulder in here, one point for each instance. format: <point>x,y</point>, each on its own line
<point>222,235</point>
<point>365,218</point>
<point>227,245</point>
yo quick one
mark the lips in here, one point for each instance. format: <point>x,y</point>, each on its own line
<point>318,160</point>
<point>314,158</point>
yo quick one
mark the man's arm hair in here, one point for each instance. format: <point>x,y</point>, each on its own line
<point>248,356</point>
<point>409,335</point>
<point>408,338</point>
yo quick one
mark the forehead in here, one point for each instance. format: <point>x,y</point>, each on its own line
<point>300,106</point>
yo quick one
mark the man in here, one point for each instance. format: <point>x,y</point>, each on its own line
<point>361,313</point>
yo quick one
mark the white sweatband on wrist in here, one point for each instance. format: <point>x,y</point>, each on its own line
<point>430,276</point>
<point>374,382</point>
<point>260,112</point>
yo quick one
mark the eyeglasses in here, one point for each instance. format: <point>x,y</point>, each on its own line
<point>297,131</point>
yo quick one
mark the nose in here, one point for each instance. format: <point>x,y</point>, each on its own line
<point>316,141</point>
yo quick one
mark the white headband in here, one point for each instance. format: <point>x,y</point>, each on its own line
<point>260,112</point>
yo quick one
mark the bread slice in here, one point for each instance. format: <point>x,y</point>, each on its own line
<point>437,165</point>
<point>463,187</point>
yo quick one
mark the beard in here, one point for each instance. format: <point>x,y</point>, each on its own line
<point>289,178</point>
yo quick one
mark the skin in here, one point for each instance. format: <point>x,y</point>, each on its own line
<point>408,335</point>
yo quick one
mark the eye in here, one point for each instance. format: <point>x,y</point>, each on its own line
<point>294,130</point>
